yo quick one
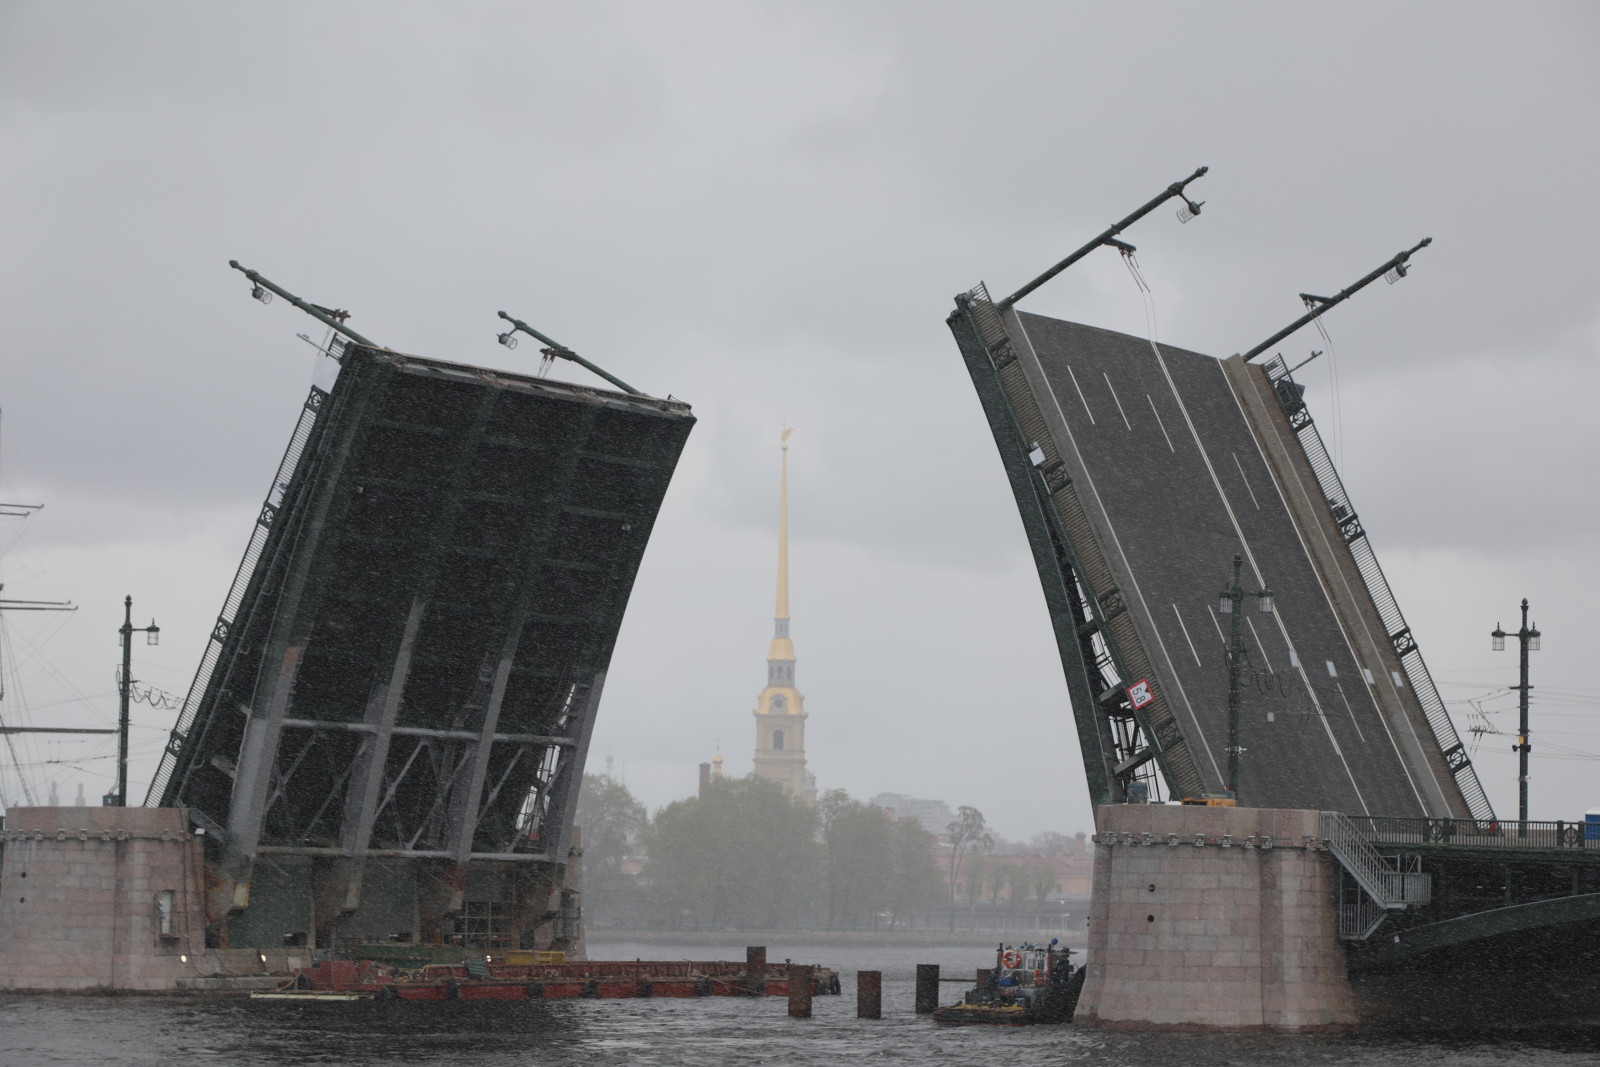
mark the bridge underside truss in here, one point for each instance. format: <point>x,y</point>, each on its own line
<point>409,663</point>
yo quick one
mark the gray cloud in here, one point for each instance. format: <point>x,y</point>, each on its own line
<point>765,210</point>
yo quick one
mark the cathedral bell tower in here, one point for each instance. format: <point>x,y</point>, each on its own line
<point>780,709</point>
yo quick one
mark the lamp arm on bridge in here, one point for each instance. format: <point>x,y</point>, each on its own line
<point>556,348</point>
<point>1175,189</point>
<point>1397,263</point>
<point>318,313</point>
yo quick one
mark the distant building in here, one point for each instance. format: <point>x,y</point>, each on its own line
<point>934,815</point>
<point>780,709</point>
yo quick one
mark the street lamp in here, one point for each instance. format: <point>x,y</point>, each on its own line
<point>152,637</point>
<point>1231,603</point>
<point>1528,639</point>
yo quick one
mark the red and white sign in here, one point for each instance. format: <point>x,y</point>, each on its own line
<point>1139,694</point>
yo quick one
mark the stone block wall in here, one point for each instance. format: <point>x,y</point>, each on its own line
<point>82,898</point>
<point>1214,919</point>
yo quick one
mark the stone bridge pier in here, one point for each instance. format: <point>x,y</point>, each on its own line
<point>1213,918</point>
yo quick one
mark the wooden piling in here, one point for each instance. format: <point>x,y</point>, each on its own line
<point>800,978</point>
<point>869,994</point>
<point>927,988</point>
<point>755,969</point>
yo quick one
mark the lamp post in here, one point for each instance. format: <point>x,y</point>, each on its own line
<point>1231,603</point>
<point>1528,638</point>
<point>153,637</point>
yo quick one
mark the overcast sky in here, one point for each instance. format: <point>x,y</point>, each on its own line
<point>765,209</point>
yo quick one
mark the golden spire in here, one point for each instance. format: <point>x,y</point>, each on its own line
<point>782,611</point>
<point>716,761</point>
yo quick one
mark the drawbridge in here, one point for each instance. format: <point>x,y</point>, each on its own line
<point>387,732</point>
<point>1148,477</point>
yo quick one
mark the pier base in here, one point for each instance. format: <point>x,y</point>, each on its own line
<point>100,899</point>
<point>1213,919</point>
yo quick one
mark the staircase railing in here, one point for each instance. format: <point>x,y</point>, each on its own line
<point>1384,885</point>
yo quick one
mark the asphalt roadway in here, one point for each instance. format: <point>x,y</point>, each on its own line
<point>1174,478</point>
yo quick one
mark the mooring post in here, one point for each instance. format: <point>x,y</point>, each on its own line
<point>869,994</point>
<point>755,970</point>
<point>927,988</point>
<point>800,990</point>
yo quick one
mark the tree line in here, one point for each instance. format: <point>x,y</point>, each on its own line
<point>743,854</point>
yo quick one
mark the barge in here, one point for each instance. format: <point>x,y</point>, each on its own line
<point>491,978</point>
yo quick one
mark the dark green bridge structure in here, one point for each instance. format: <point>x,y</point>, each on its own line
<point>387,733</point>
<point>1141,471</point>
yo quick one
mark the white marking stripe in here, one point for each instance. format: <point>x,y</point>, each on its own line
<point>1039,382</point>
<point>1259,646</point>
<point>1255,569</point>
<point>1114,396</point>
<point>1246,481</point>
<point>1186,636</point>
<point>1405,765</point>
<point>1159,423</point>
<point>1220,636</point>
<point>1351,711</point>
<point>1081,398</point>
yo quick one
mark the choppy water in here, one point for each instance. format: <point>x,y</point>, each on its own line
<point>711,1032</point>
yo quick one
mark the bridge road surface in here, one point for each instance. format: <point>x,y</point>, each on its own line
<point>1176,484</point>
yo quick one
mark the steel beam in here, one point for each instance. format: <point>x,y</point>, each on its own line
<point>425,731</point>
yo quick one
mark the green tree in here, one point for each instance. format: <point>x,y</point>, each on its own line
<point>916,882</point>
<point>967,832</point>
<point>1043,879</point>
<point>611,821</point>
<point>858,847</point>
<point>976,876</point>
<point>741,854</point>
<point>1051,843</point>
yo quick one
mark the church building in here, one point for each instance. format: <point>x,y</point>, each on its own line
<point>780,709</point>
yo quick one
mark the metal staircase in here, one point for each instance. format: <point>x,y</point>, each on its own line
<point>1380,883</point>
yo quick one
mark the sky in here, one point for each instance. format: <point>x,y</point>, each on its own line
<point>765,210</point>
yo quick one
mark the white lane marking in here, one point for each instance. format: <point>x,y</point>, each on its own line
<point>1245,480</point>
<point>1255,568</point>
<point>1186,636</point>
<point>1405,765</point>
<point>1351,712</point>
<point>1220,636</point>
<point>1259,646</point>
<point>1114,396</point>
<point>1081,398</point>
<point>1159,423</point>
<point>1036,378</point>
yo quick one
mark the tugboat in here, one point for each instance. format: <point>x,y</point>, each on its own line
<point>1028,984</point>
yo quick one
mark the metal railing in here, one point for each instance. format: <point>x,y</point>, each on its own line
<point>1381,883</point>
<point>1352,845</point>
<point>1366,561</point>
<point>1080,551</point>
<point>1477,833</point>
<point>236,593</point>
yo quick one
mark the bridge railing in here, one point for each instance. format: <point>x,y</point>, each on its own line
<point>1366,560</point>
<point>1479,833</point>
<point>236,594</point>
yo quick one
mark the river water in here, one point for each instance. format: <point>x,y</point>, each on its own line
<point>710,1032</point>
